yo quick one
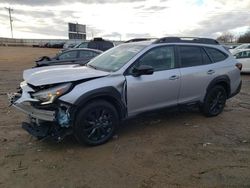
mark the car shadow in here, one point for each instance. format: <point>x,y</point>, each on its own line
<point>135,124</point>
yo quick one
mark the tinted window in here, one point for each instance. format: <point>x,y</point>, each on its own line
<point>190,56</point>
<point>245,54</point>
<point>93,45</point>
<point>216,55</point>
<point>100,45</point>
<point>68,55</point>
<point>205,58</point>
<point>87,54</point>
<point>161,58</point>
<point>107,45</point>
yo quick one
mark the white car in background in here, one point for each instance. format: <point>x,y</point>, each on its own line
<point>239,48</point>
<point>243,56</point>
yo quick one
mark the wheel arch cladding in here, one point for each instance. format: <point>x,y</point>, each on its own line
<point>109,94</point>
<point>223,81</point>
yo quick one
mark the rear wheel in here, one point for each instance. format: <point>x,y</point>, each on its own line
<point>215,101</point>
<point>96,123</point>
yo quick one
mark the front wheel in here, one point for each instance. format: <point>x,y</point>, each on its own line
<point>214,102</point>
<point>96,123</point>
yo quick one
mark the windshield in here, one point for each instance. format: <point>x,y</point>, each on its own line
<point>243,46</point>
<point>113,59</point>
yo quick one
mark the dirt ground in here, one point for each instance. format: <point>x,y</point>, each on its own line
<point>166,149</point>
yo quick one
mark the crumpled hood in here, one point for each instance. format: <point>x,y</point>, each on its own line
<point>58,74</point>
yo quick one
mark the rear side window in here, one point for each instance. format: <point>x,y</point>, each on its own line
<point>205,58</point>
<point>190,56</point>
<point>86,54</point>
<point>216,55</point>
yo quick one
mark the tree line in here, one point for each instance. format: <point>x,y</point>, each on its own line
<point>228,37</point>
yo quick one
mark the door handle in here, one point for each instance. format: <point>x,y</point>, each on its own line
<point>210,72</point>
<point>174,77</point>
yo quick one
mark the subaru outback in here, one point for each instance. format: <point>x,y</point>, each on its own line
<point>89,101</point>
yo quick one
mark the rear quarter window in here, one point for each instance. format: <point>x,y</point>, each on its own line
<point>216,54</point>
<point>190,56</point>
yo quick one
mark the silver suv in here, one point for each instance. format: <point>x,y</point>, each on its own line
<point>90,101</point>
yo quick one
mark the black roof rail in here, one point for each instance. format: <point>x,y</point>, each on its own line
<point>186,40</point>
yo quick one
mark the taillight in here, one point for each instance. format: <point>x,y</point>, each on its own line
<point>239,66</point>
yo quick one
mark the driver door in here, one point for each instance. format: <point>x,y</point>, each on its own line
<point>161,89</point>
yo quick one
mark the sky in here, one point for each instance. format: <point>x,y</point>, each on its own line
<point>125,19</point>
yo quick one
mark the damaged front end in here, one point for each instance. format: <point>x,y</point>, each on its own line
<point>48,117</point>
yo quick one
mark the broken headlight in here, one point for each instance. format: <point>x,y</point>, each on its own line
<point>48,96</point>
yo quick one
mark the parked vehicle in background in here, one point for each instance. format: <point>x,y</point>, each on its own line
<point>74,56</point>
<point>130,79</point>
<point>56,44</point>
<point>96,43</point>
<point>232,46</point>
<point>81,45</point>
<point>70,44</point>
<point>100,44</point>
<point>243,56</point>
<point>240,47</point>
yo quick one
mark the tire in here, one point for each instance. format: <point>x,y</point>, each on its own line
<point>96,123</point>
<point>215,101</point>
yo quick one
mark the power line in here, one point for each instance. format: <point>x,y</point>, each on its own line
<point>11,28</point>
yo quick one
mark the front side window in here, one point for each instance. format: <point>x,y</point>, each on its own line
<point>68,55</point>
<point>115,58</point>
<point>216,55</point>
<point>160,58</point>
<point>190,56</point>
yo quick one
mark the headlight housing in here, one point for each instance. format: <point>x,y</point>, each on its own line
<point>47,96</point>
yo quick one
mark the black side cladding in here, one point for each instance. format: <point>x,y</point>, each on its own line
<point>106,93</point>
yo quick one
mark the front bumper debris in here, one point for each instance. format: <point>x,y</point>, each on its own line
<point>44,123</point>
<point>37,131</point>
<point>46,131</point>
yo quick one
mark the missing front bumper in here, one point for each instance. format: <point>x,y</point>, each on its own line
<point>38,131</point>
<point>47,131</point>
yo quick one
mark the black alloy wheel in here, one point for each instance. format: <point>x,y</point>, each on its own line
<point>96,123</point>
<point>215,101</point>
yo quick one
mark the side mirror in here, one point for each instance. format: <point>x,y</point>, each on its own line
<point>143,70</point>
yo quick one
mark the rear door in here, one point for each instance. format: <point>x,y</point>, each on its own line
<point>161,89</point>
<point>197,71</point>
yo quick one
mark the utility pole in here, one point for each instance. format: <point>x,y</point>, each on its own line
<point>11,28</point>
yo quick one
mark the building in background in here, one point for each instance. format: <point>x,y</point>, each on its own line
<point>77,31</point>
